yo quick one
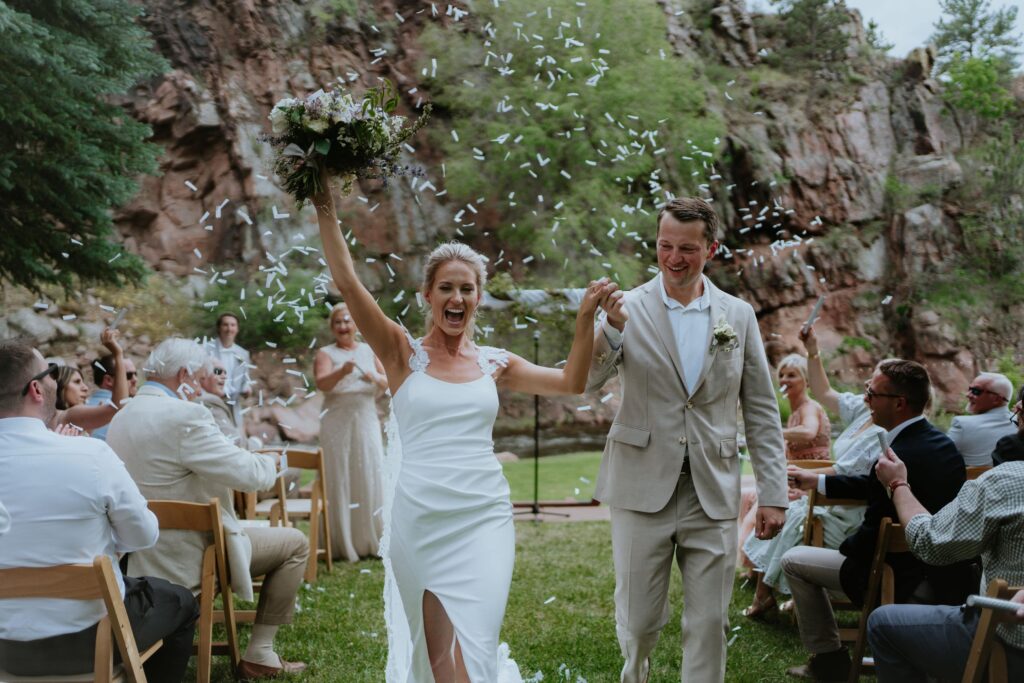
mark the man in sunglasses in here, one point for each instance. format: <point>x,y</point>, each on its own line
<point>987,420</point>
<point>70,500</point>
<point>103,377</point>
<point>213,396</point>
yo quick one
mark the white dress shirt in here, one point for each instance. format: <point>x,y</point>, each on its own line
<point>69,499</point>
<point>689,328</point>
<point>889,436</point>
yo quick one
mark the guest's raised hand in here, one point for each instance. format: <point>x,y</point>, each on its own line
<point>809,339</point>
<point>890,468</point>
<point>68,430</point>
<point>108,338</point>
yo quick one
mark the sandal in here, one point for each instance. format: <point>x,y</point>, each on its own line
<point>760,610</point>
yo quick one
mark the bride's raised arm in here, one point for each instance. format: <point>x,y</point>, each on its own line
<point>385,336</point>
<point>522,375</point>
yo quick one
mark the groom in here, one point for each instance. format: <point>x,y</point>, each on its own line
<point>670,473</point>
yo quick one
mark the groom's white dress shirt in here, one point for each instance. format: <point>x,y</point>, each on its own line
<point>689,328</point>
<point>69,499</point>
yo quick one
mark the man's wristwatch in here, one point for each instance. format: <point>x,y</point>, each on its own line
<point>895,484</point>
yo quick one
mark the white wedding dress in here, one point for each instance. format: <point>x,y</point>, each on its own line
<point>448,521</point>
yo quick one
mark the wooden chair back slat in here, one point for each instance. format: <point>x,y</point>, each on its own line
<point>975,471</point>
<point>987,651</point>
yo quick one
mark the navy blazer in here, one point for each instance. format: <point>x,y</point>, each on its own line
<point>935,472</point>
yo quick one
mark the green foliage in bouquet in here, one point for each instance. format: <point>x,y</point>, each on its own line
<point>349,138</point>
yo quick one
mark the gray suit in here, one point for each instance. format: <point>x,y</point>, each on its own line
<point>657,513</point>
<point>975,436</point>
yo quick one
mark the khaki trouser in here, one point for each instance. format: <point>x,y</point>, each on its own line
<point>643,545</point>
<point>279,555</point>
<point>813,575</point>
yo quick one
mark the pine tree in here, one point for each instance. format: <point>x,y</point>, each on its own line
<point>69,153</point>
<point>970,28</point>
<point>814,32</point>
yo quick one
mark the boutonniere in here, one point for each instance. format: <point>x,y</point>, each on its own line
<point>724,336</point>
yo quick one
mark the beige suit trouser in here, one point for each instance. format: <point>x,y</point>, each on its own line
<point>643,545</point>
<point>813,576</point>
<point>279,555</point>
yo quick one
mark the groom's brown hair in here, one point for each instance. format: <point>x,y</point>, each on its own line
<point>685,209</point>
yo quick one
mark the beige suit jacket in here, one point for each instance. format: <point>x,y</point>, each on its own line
<point>659,424</point>
<point>174,450</point>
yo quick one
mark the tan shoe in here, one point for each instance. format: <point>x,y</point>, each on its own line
<point>248,671</point>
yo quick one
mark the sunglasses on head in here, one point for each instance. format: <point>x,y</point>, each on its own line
<point>52,369</point>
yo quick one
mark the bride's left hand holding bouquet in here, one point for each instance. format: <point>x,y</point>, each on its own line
<point>333,132</point>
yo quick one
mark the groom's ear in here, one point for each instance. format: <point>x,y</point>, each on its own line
<point>712,249</point>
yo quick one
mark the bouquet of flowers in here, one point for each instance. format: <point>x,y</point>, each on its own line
<point>349,138</point>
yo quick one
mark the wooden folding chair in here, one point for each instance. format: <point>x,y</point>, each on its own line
<point>214,579</point>
<point>986,650</point>
<point>94,581</point>
<point>314,508</point>
<point>975,471</point>
<point>881,590</point>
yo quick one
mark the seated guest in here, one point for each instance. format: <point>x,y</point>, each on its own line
<point>918,642</point>
<point>174,450</point>
<point>72,392</point>
<point>213,397</point>
<point>70,500</point>
<point>808,436</point>
<point>856,451</point>
<point>896,397</point>
<point>1011,447</point>
<point>987,420</point>
<point>103,370</point>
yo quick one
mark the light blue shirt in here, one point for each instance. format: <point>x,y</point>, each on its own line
<point>100,397</point>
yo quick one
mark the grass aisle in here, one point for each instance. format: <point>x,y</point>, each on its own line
<point>340,629</point>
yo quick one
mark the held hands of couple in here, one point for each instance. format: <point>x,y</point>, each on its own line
<point>611,299</point>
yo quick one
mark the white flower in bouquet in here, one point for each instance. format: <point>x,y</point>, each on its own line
<point>332,131</point>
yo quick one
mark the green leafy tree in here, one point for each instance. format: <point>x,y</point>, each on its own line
<point>971,29</point>
<point>570,123</point>
<point>975,84</point>
<point>814,33</point>
<point>69,153</point>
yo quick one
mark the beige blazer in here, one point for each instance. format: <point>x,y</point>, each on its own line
<point>174,450</point>
<point>659,423</point>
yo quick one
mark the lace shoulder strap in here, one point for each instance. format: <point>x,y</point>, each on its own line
<point>419,360</point>
<point>490,359</point>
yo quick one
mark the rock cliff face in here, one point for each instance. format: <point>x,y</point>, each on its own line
<point>826,160</point>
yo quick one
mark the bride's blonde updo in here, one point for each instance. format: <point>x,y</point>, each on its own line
<point>442,254</point>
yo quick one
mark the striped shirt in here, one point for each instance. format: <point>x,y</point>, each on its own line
<point>986,518</point>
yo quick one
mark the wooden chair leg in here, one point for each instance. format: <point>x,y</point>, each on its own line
<point>327,537</point>
<point>204,650</point>
<point>104,653</point>
<point>314,543</point>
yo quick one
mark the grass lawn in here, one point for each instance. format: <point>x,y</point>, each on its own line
<point>571,476</point>
<point>340,628</point>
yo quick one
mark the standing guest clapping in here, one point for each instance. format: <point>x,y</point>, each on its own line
<point>73,392</point>
<point>351,377</point>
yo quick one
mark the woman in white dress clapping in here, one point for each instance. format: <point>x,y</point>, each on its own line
<point>451,542</point>
<point>351,377</point>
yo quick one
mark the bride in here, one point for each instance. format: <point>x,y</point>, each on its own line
<point>451,539</point>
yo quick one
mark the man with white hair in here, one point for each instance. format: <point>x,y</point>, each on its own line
<point>174,450</point>
<point>987,420</point>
